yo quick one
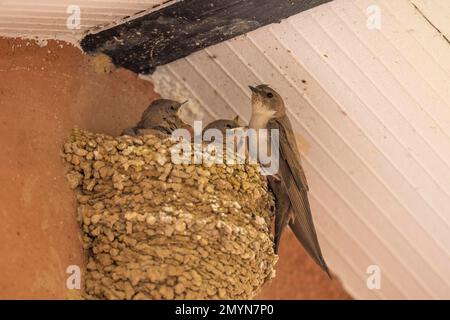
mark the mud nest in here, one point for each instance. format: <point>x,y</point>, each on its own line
<point>155,230</point>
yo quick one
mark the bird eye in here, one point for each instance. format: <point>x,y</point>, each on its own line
<point>269,95</point>
<point>172,108</point>
<point>228,126</point>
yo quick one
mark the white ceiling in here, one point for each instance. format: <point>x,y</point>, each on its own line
<point>372,120</point>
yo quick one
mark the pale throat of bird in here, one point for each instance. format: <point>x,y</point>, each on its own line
<point>260,116</point>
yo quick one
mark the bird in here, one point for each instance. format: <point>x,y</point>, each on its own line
<point>289,185</point>
<point>162,116</point>
<point>223,125</point>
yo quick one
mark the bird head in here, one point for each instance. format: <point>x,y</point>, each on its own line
<point>267,100</point>
<point>162,113</point>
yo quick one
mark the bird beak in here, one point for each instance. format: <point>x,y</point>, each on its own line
<point>254,90</point>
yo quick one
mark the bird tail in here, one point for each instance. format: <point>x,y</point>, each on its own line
<point>302,224</point>
<point>318,258</point>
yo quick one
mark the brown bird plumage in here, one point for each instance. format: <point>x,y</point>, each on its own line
<point>160,117</point>
<point>289,185</point>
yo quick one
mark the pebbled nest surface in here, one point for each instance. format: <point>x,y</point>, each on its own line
<point>152,229</point>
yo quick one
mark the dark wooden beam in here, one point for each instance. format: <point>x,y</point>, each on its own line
<point>184,27</point>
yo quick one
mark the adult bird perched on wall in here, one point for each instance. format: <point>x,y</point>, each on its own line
<point>289,185</point>
<point>162,116</point>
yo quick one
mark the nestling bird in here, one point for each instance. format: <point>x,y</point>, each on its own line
<point>289,185</point>
<point>223,125</point>
<point>161,116</point>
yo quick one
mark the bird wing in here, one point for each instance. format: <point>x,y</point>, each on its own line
<point>294,182</point>
<point>289,150</point>
<point>282,206</point>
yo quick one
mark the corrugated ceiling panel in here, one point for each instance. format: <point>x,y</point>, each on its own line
<point>371,110</point>
<point>47,18</point>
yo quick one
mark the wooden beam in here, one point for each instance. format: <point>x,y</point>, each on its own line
<point>184,27</point>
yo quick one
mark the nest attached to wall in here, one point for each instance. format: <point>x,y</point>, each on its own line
<point>155,230</point>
